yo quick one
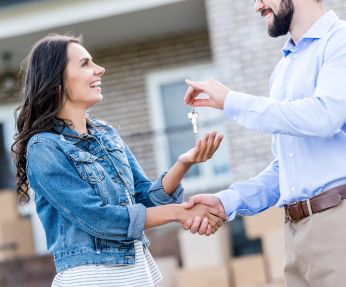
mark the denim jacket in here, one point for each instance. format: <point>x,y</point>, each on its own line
<point>91,195</point>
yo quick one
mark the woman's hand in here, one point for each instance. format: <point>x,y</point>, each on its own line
<point>214,217</point>
<point>203,150</point>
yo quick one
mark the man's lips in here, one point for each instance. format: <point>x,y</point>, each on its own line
<point>265,12</point>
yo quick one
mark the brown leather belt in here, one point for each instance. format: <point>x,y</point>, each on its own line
<point>328,199</point>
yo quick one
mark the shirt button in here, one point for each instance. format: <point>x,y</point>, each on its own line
<point>290,154</point>
<point>293,188</point>
<point>118,145</point>
<point>295,56</point>
<point>287,88</point>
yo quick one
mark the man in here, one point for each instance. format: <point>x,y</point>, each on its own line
<point>306,115</point>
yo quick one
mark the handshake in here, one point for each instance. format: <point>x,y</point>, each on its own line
<point>203,213</point>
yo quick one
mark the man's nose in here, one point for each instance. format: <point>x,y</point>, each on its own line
<point>259,5</point>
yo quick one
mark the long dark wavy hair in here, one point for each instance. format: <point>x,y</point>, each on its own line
<point>42,96</point>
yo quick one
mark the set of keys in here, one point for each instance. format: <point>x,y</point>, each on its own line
<point>193,116</point>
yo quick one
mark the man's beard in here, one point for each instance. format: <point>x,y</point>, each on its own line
<point>282,20</point>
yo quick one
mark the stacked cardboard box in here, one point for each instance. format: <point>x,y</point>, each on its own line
<point>258,225</point>
<point>204,277</point>
<point>204,259</point>
<point>16,239</point>
<point>168,267</point>
<point>248,270</point>
<point>269,227</point>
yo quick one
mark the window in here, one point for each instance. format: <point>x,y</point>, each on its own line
<point>7,131</point>
<point>173,133</point>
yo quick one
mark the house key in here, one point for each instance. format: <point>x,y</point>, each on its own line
<point>193,116</point>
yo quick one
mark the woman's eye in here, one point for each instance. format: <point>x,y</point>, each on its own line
<point>85,63</point>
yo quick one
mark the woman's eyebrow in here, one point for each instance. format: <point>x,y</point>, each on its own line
<point>86,58</point>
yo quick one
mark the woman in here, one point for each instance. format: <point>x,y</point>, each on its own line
<point>91,195</point>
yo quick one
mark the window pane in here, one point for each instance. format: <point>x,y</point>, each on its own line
<point>179,129</point>
<point>7,179</point>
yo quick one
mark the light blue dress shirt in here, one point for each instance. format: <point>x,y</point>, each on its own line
<point>306,115</point>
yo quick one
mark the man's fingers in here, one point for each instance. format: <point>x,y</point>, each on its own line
<point>218,213</point>
<point>203,227</point>
<point>190,95</point>
<point>201,103</point>
<point>209,230</point>
<point>187,224</point>
<point>194,89</point>
<point>190,203</point>
<point>195,85</point>
<point>213,219</point>
<point>213,223</point>
<point>195,225</point>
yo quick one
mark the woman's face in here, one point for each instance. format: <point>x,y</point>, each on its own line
<point>82,78</point>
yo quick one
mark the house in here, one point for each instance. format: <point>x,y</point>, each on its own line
<point>148,48</point>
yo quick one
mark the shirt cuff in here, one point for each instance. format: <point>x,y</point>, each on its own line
<point>230,200</point>
<point>159,197</point>
<point>137,215</point>
<point>235,103</point>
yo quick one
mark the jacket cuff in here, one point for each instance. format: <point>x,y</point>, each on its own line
<point>159,197</point>
<point>137,215</point>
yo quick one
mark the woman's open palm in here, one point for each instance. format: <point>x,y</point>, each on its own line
<point>203,150</point>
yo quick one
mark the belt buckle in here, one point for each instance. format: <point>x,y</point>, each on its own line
<point>299,204</point>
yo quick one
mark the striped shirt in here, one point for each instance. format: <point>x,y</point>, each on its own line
<point>143,273</point>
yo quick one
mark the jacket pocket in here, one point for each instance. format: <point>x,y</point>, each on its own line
<point>116,150</point>
<point>87,166</point>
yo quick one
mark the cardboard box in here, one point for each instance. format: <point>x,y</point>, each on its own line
<point>18,234</point>
<point>273,243</point>
<point>266,285</point>
<point>168,267</point>
<point>257,225</point>
<point>8,205</point>
<point>205,277</point>
<point>248,270</point>
<point>205,251</point>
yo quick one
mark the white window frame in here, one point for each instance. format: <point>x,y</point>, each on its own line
<point>8,121</point>
<point>206,181</point>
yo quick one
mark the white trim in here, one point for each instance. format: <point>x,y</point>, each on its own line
<point>7,119</point>
<point>51,14</point>
<point>155,79</point>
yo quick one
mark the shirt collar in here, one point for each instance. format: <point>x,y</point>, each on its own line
<point>317,31</point>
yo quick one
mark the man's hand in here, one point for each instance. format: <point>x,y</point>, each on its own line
<point>197,224</point>
<point>216,91</point>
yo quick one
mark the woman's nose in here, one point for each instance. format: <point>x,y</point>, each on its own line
<point>99,70</point>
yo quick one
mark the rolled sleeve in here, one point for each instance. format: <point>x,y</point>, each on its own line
<point>158,196</point>
<point>137,215</point>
